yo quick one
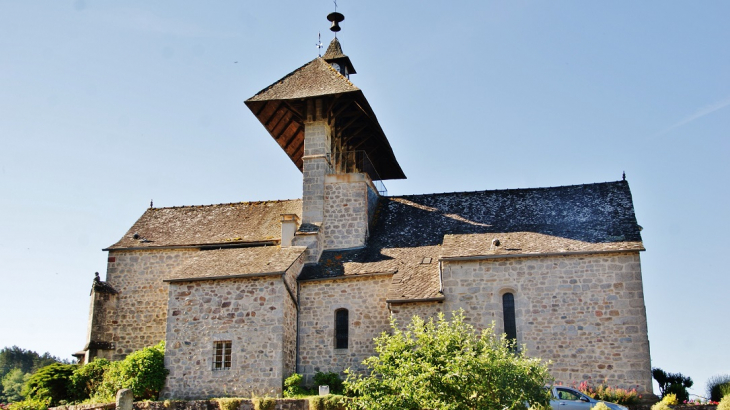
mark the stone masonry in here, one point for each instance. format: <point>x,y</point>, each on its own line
<point>346,211</point>
<point>364,298</point>
<point>317,145</point>
<point>137,317</point>
<point>249,312</point>
<point>584,313</point>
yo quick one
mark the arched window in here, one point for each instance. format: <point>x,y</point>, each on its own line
<point>341,328</point>
<point>508,307</point>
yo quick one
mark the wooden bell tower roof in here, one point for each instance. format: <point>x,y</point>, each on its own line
<point>282,110</point>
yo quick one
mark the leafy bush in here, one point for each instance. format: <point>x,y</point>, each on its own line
<point>51,383</point>
<point>228,403</point>
<point>670,399</point>
<point>263,403</point>
<point>142,371</point>
<point>328,402</point>
<point>331,379</point>
<point>611,394</point>
<point>292,386</point>
<point>600,406</point>
<point>31,404</point>
<point>716,385</point>
<point>660,405</point>
<point>672,383</point>
<point>447,365</point>
<point>87,379</point>
<point>724,403</point>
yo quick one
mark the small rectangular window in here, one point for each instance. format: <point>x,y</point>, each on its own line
<point>222,355</point>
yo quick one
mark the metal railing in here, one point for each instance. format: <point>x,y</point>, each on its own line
<point>345,162</point>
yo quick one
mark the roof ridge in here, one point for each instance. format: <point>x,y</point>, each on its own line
<point>509,189</point>
<point>227,204</point>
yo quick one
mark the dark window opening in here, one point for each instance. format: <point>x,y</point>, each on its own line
<point>508,307</point>
<point>222,355</point>
<point>341,328</point>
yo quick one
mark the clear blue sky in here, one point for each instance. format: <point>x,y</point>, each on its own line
<point>105,105</point>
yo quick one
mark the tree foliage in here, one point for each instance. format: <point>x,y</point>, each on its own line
<point>12,386</point>
<point>675,383</point>
<point>27,361</point>
<point>448,365</point>
<point>87,379</point>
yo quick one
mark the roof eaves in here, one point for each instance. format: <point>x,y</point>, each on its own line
<point>245,275</point>
<point>534,255</point>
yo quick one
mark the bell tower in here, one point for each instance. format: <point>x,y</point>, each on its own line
<point>326,126</point>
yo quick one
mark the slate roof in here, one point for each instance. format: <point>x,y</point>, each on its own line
<point>238,262</point>
<point>314,79</point>
<point>409,229</point>
<point>242,222</point>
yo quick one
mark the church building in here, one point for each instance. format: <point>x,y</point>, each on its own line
<point>245,294</point>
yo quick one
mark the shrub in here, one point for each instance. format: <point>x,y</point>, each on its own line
<point>263,403</point>
<point>52,383</point>
<point>724,403</point>
<point>447,365</point>
<point>611,394</point>
<point>228,403</point>
<point>142,371</point>
<point>670,399</point>
<point>672,383</point>
<point>293,385</point>
<point>328,402</point>
<point>331,379</point>
<point>716,385</point>
<point>31,404</point>
<point>660,406</point>
<point>600,406</point>
<point>85,380</point>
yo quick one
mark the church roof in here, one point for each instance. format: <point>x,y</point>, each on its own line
<point>234,223</point>
<point>282,110</point>
<point>236,263</point>
<point>314,79</point>
<point>412,233</point>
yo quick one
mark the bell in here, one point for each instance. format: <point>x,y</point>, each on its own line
<point>335,18</point>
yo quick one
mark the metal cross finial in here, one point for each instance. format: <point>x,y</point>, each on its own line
<point>319,44</point>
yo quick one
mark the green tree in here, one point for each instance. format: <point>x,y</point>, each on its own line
<point>12,385</point>
<point>675,383</point>
<point>448,365</point>
<point>26,360</point>
<point>52,383</point>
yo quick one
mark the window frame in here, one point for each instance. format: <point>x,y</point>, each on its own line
<point>509,316</point>
<point>222,355</point>
<point>342,330</point>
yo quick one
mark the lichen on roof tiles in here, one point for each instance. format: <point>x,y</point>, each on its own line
<point>210,224</point>
<point>238,262</point>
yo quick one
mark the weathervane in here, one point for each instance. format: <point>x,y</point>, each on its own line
<point>319,44</point>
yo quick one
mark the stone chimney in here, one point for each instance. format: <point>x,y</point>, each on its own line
<point>289,224</point>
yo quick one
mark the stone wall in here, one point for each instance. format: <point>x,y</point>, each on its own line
<point>315,166</point>
<point>137,318</point>
<point>404,312</point>
<point>345,211</point>
<point>584,313</point>
<point>364,298</point>
<point>250,312</point>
